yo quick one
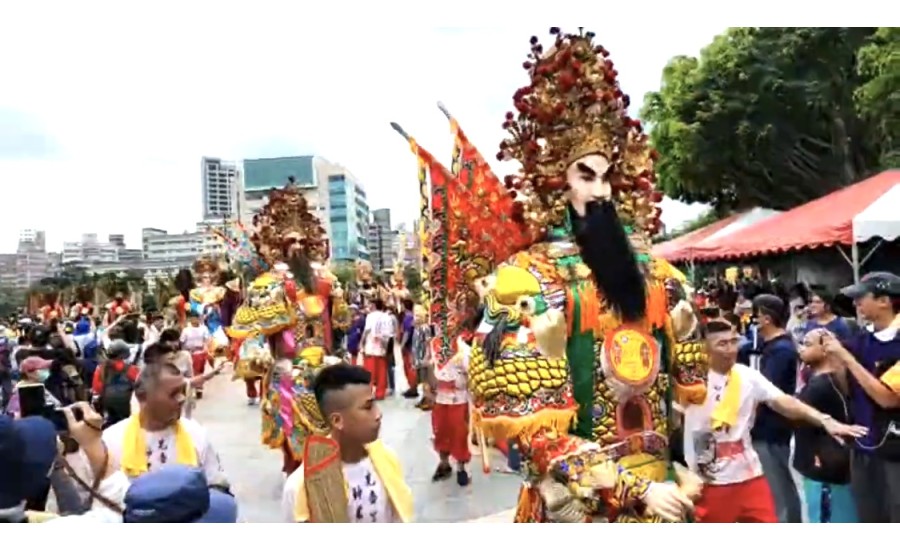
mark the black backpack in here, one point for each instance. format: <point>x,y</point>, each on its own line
<point>115,397</point>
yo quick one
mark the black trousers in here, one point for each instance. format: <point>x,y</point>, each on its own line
<point>875,484</point>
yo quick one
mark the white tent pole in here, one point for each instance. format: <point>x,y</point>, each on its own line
<point>854,254</point>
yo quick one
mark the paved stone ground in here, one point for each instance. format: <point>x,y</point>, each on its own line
<point>255,472</point>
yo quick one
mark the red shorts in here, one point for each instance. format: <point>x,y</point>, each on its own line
<point>199,360</point>
<point>450,424</point>
<point>746,502</point>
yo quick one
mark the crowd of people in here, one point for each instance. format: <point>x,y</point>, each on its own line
<point>551,332</point>
<point>97,404</point>
<point>845,369</point>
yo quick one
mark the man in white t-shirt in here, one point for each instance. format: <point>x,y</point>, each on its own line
<point>158,433</point>
<point>717,442</point>
<point>195,339</point>
<point>372,476</point>
<point>378,330</point>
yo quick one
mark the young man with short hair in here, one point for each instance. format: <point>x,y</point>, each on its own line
<point>717,443</point>
<point>772,433</point>
<point>872,359</point>
<point>361,481</point>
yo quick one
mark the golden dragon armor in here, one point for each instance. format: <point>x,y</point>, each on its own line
<point>581,372</point>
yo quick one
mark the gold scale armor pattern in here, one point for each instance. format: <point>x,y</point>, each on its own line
<point>516,376</point>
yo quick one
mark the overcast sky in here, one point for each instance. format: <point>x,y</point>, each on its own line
<point>105,114</point>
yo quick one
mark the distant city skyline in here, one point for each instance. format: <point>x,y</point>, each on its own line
<point>118,150</point>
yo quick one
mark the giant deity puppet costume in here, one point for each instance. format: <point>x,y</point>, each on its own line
<point>202,292</point>
<point>581,354</point>
<point>280,329</point>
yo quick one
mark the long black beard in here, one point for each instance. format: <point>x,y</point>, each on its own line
<point>606,250</point>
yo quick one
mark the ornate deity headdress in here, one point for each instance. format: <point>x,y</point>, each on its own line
<point>285,227</point>
<point>205,265</point>
<point>574,107</point>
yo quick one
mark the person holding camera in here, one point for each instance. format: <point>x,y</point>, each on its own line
<point>31,459</point>
<point>33,371</point>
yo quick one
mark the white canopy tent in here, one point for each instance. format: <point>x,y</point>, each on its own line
<point>880,220</point>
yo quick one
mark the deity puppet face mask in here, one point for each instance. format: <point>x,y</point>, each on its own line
<point>587,182</point>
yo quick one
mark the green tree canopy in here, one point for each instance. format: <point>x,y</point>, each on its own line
<point>878,98</point>
<point>765,117</point>
<point>413,279</point>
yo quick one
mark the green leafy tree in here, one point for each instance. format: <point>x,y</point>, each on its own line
<point>878,98</point>
<point>413,278</point>
<point>11,299</point>
<point>765,117</point>
<point>345,273</point>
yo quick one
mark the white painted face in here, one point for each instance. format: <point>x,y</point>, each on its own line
<point>588,181</point>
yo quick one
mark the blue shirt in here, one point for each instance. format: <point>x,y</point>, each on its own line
<point>837,326</point>
<point>408,326</point>
<point>872,353</point>
<point>354,335</point>
<point>778,362</point>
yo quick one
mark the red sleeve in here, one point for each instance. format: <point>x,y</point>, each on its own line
<point>97,382</point>
<point>133,373</point>
<point>290,290</point>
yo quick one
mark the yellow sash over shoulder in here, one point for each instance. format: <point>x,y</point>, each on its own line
<point>134,447</point>
<point>389,471</point>
<point>725,413</point>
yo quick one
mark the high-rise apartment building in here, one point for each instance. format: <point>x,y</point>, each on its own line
<point>32,239</point>
<point>381,240</point>
<point>33,263</point>
<point>222,192</point>
<point>348,216</point>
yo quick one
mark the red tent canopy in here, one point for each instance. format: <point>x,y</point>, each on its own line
<point>671,249</point>
<point>826,221</point>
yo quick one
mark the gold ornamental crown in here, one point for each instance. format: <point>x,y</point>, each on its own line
<point>206,264</point>
<point>574,107</point>
<point>286,225</point>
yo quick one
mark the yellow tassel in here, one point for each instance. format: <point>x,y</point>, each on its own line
<point>524,427</point>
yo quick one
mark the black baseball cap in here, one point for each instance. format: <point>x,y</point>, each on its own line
<point>878,283</point>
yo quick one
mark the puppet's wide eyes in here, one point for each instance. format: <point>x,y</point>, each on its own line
<point>526,304</point>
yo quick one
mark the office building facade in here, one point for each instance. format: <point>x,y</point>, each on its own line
<point>348,216</point>
<point>310,175</point>
<point>222,192</point>
<point>160,245</point>
<point>381,241</point>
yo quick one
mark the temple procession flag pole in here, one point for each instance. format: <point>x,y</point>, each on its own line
<point>437,184</point>
<point>424,208</point>
<point>457,150</point>
<point>466,160</point>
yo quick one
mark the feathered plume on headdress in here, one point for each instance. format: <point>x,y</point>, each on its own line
<point>573,107</point>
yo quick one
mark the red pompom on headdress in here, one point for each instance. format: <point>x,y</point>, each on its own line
<point>574,107</point>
